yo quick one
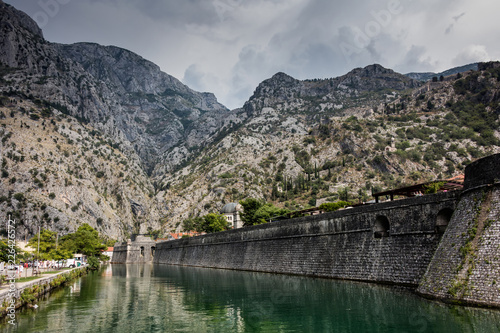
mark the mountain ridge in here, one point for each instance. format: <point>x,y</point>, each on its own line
<point>99,134</point>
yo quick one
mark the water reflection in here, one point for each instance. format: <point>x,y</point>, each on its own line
<point>160,298</point>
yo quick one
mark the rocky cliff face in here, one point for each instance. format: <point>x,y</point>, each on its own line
<point>302,143</point>
<point>139,113</point>
<point>154,110</point>
<point>100,135</point>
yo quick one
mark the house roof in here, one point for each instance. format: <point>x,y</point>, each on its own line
<point>178,235</point>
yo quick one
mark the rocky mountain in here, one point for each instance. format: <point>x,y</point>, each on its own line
<point>130,108</point>
<point>98,134</point>
<point>430,75</point>
<point>154,110</point>
<point>302,143</point>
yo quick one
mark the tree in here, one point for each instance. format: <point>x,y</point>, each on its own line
<point>93,263</point>
<point>250,207</point>
<point>193,224</point>
<point>49,249</point>
<point>266,212</point>
<point>85,240</point>
<point>344,194</point>
<point>6,250</point>
<point>215,223</point>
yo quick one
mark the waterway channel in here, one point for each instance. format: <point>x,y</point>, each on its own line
<point>161,298</point>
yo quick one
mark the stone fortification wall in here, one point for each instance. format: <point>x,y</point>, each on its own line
<point>139,250</point>
<point>391,242</point>
<point>466,265</point>
<point>119,253</point>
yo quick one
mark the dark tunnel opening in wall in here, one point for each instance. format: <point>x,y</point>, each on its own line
<point>442,220</point>
<point>381,227</point>
<point>142,251</point>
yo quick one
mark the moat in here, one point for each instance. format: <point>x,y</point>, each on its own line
<point>163,298</point>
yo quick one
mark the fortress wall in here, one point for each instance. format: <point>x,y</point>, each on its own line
<point>138,250</point>
<point>343,244</point>
<point>466,265</point>
<point>119,253</point>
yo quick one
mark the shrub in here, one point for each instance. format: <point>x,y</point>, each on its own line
<point>19,196</point>
<point>93,263</point>
<point>333,206</point>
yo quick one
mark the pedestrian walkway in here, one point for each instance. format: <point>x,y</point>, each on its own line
<point>5,288</point>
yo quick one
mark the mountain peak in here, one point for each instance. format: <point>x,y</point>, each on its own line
<point>282,77</point>
<point>11,17</point>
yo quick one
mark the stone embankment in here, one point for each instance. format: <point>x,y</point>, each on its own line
<point>19,294</point>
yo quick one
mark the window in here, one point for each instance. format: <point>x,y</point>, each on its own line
<point>442,220</point>
<point>382,226</point>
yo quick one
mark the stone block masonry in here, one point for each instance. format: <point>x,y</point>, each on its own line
<point>391,242</point>
<point>466,265</point>
<point>139,249</point>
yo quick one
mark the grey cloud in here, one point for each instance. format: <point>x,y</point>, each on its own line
<point>471,54</point>
<point>174,12</point>
<point>416,60</point>
<point>230,46</point>
<point>193,77</point>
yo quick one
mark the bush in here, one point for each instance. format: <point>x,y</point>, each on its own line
<point>19,196</point>
<point>333,206</point>
<point>93,263</point>
<point>226,175</point>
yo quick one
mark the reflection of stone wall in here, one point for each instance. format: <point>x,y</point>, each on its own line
<point>340,244</point>
<point>139,250</point>
<point>466,266</point>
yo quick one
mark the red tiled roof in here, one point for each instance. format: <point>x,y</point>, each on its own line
<point>180,234</point>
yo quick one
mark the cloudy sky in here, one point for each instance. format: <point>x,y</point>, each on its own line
<point>229,46</point>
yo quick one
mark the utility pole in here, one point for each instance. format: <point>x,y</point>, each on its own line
<point>38,251</point>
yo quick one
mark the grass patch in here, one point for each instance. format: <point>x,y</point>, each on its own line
<point>27,279</point>
<point>51,272</point>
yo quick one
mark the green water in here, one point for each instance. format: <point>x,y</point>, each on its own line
<point>133,298</point>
